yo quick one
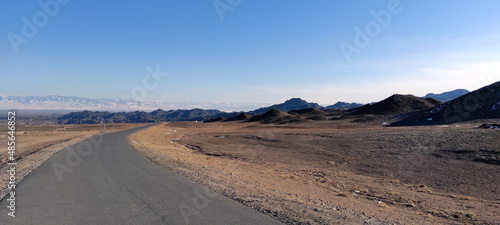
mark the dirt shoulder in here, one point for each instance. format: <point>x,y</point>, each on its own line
<point>328,173</point>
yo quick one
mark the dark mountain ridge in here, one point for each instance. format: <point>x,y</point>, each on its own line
<point>483,103</point>
<point>413,109</point>
<point>159,115</point>
<point>447,96</point>
<point>291,104</point>
<point>396,104</point>
<point>344,105</point>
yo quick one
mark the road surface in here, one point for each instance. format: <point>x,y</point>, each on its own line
<point>103,180</point>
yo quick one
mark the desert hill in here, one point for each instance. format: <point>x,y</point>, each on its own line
<point>241,116</point>
<point>275,116</point>
<point>310,113</point>
<point>291,104</point>
<point>396,104</point>
<point>480,104</point>
<point>344,105</point>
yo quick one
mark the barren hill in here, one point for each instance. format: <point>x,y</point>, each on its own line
<point>292,104</point>
<point>397,104</point>
<point>241,116</point>
<point>480,104</point>
<point>275,116</point>
<point>308,112</point>
<point>344,105</point>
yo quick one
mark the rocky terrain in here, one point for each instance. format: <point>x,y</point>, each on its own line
<point>339,172</point>
<point>480,104</point>
<point>305,164</point>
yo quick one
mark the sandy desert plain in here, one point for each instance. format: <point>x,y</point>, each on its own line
<point>339,172</point>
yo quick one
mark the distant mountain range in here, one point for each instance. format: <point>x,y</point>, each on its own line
<point>344,105</point>
<point>59,102</point>
<point>90,117</point>
<point>293,116</point>
<point>292,104</point>
<point>447,96</point>
<point>408,109</point>
<point>159,115</point>
<point>56,102</point>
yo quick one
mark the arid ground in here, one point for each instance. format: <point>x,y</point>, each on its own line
<point>337,172</point>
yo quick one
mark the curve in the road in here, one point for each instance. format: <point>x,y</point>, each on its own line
<point>103,180</point>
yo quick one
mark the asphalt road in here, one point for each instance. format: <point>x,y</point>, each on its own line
<point>103,180</point>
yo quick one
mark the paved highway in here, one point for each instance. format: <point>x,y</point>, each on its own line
<point>103,180</point>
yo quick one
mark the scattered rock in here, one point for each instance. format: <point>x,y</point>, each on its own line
<point>410,205</point>
<point>490,126</point>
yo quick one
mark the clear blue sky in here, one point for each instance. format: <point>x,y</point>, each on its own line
<point>263,51</point>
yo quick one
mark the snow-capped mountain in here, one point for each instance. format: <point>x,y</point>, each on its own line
<point>58,102</point>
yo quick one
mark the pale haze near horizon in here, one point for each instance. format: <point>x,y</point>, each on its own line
<point>261,51</point>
